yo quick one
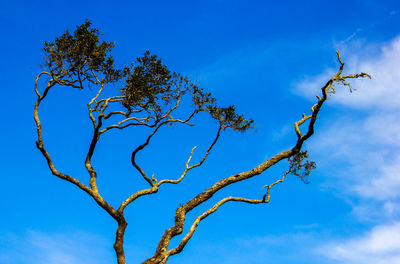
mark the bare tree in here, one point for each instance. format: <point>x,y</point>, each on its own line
<point>149,97</point>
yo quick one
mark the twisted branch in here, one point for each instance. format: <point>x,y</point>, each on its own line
<point>194,165</point>
<point>40,145</point>
<point>188,236</point>
<point>156,184</point>
<point>162,254</point>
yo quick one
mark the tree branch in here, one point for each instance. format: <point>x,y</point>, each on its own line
<point>181,212</point>
<point>194,165</point>
<point>189,234</point>
<point>100,104</point>
<point>88,164</point>
<point>40,145</point>
<point>140,121</point>
<point>95,138</point>
<point>155,184</point>
<point>133,197</point>
<point>91,102</point>
<point>142,146</point>
<point>37,80</point>
<point>126,114</point>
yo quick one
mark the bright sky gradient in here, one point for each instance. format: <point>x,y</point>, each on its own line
<point>269,58</point>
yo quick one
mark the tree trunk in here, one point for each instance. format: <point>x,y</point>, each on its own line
<point>119,241</point>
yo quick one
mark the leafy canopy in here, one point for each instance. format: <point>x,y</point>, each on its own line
<point>78,57</point>
<point>148,85</point>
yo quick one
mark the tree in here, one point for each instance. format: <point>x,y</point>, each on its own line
<point>150,96</point>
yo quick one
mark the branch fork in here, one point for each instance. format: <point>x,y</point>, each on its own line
<point>155,119</point>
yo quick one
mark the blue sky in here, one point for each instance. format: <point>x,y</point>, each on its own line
<point>269,59</point>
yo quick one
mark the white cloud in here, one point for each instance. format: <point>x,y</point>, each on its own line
<point>56,248</point>
<point>262,249</point>
<point>366,139</point>
<point>385,185</point>
<point>382,92</point>
<point>381,245</point>
<point>368,151</point>
<point>391,208</point>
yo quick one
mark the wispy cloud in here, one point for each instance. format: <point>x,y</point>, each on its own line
<point>368,149</point>
<point>259,250</point>
<point>382,92</point>
<point>381,245</point>
<point>392,208</point>
<point>366,141</point>
<point>55,248</point>
<point>366,28</point>
<point>385,185</point>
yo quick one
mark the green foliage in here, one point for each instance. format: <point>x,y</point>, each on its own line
<point>80,55</point>
<point>148,85</point>
<point>152,86</point>
<point>228,118</point>
<point>300,166</point>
